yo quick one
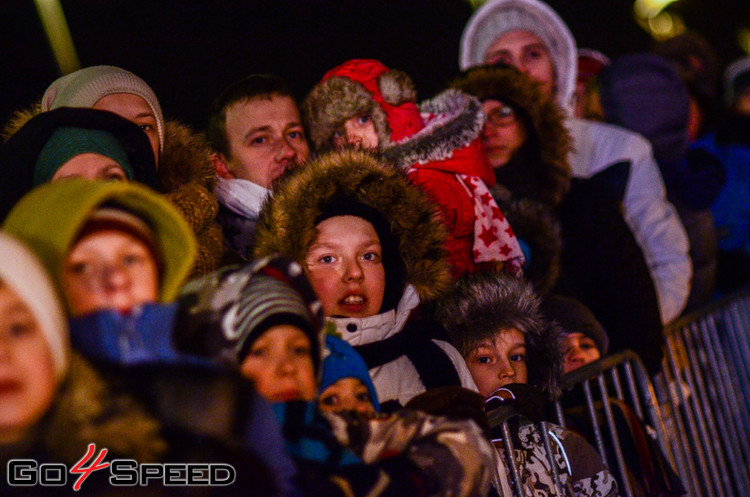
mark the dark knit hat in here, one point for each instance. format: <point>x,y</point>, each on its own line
<point>67,142</point>
<point>342,361</point>
<point>221,314</point>
<point>484,304</point>
<point>574,317</point>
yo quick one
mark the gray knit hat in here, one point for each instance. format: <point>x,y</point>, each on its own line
<point>85,87</point>
<point>221,314</point>
<point>497,17</point>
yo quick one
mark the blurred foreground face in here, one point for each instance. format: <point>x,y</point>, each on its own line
<point>742,104</point>
<point>502,135</point>
<point>498,362</point>
<point>358,132</point>
<point>91,166</point>
<point>27,375</point>
<point>265,138</point>
<point>280,365</point>
<point>526,52</point>
<point>579,351</point>
<point>345,267</point>
<point>347,394</point>
<point>136,110</point>
<point>109,269</point>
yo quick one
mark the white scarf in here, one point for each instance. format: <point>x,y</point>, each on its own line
<point>241,196</point>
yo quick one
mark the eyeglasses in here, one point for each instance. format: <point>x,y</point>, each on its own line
<point>502,116</point>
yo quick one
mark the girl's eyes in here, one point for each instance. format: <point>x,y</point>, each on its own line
<point>80,268</point>
<point>257,352</point>
<point>301,350</point>
<point>146,127</point>
<point>329,400</point>
<point>363,119</point>
<point>296,135</point>
<point>518,358</point>
<point>132,259</point>
<point>484,359</point>
<point>326,259</point>
<point>371,256</point>
<point>363,397</point>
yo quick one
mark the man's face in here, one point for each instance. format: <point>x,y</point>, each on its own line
<point>527,53</point>
<point>265,138</point>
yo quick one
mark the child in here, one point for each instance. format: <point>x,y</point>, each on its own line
<point>364,104</point>
<point>371,245</point>
<point>495,322</point>
<point>265,319</point>
<point>345,383</point>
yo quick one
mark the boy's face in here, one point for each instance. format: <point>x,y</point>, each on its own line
<point>265,138</point>
<point>498,362</point>
<point>527,53</point>
<point>502,135</point>
<point>345,267</point>
<point>109,269</point>
<point>136,110</point>
<point>579,350</point>
<point>280,364</point>
<point>347,394</point>
<point>27,375</point>
<point>91,166</point>
<point>358,132</point>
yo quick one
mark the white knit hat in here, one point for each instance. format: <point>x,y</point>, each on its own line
<point>736,69</point>
<point>497,17</point>
<point>24,274</point>
<point>85,87</point>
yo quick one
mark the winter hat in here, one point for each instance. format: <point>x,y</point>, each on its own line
<point>68,142</point>
<point>481,305</point>
<point>590,63</point>
<point>736,79</point>
<point>644,93</point>
<point>287,223</point>
<point>362,86</point>
<point>342,361</point>
<point>221,314</point>
<point>49,219</point>
<point>20,154</point>
<point>497,17</point>
<point>21,271</point>
<point>85,87</point>
<point>574,317</point>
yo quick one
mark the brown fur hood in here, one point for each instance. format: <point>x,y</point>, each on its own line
<point>542,115</point>
<point>186,174</point>
<point>87,411</point>
<point>288,220</point>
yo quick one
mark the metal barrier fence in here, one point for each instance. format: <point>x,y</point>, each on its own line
<point>698,407</point>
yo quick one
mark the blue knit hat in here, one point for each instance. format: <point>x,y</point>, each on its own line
<point>342,361</point>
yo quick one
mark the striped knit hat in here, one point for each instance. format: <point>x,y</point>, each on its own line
<point>85,87</point>
<point>221,314</point>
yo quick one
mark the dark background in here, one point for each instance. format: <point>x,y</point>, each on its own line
<point>188,51</point>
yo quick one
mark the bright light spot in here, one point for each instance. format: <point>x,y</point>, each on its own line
<point>647,9</point>
<point>743,38</point>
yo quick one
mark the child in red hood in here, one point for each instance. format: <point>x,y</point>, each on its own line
<point>364,104</point>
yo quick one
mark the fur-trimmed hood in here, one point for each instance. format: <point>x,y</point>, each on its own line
<point>87,411</point>
<point>288,219</point>
<point>544,123</point>
<point>483,304</point>
<point>453,120</point>
<point>186,175</point>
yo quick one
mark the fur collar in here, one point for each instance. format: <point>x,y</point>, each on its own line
<point>453,120</point>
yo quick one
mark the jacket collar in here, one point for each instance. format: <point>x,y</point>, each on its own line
<point>359,331</point>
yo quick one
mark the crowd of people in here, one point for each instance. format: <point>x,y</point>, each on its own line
<point>331,294</point>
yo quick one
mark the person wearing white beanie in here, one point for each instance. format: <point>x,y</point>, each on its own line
<point>114,89</point>
<point>531,36</point>
<point>34,340</point>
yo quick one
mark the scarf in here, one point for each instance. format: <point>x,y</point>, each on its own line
<point>241,196</point>
<point>494,239</point>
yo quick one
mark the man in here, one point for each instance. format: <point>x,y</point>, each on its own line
<point>531,36</point>
<point>257,132</point>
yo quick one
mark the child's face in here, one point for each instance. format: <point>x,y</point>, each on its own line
<point>109,269</point>
<point>27,374</point>
<point>358,132</point>
<point>347,394</point>
<point>91,166</point>
<point>280,364</point>
<point>579,350</point>
<point>345,267</point>
<point>498,362</point>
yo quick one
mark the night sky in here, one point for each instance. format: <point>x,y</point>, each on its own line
<point>188,51</point>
